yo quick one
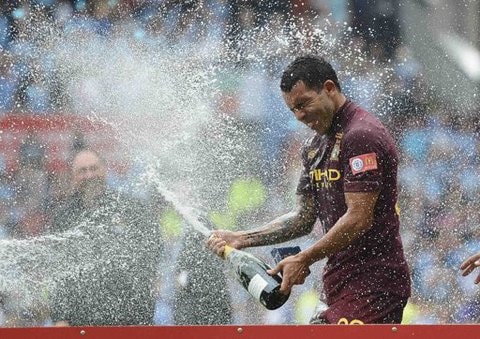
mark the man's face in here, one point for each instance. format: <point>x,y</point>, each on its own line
<point>89,175</point>
<point>315,108</point>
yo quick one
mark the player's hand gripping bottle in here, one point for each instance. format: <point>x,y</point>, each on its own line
<point>251,272</point>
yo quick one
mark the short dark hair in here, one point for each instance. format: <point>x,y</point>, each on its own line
<point>312,70</point>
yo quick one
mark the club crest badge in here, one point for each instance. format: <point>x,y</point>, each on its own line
<point>336,148</point>
<point>311,154</point>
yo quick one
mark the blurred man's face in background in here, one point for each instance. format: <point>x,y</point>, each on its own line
<point>89,176</point>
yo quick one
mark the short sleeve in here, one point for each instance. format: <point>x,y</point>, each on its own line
<point>362,158</point>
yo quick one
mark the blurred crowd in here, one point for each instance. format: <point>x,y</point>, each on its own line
<point>439,145</point>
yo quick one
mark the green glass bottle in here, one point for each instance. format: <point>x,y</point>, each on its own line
<point>251,272</point>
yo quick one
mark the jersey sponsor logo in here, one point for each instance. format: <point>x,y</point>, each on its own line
<point>324,179</point>
<point>363,163</point>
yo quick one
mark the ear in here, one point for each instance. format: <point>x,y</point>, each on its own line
<point>329,86</point>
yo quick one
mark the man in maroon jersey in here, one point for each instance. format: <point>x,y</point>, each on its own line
<point>348,182</point>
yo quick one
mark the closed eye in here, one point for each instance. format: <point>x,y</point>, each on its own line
<point>298,107</point>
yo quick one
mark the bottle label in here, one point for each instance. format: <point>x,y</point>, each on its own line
<point>256,286</point>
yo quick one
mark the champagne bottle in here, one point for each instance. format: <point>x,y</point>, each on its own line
<point>252,274</point>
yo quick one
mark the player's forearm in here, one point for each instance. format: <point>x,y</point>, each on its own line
<point>347,229</point>
<point>289,226</point>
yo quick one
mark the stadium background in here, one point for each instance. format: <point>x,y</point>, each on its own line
<point>430,48</point>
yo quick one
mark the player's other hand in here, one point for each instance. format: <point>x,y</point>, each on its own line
<point>294,272</point>
<point>470,264</point>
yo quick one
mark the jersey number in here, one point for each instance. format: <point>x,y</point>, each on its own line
<point>344,321</point>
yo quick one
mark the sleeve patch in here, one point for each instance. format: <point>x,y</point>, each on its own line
<point>363,163</point>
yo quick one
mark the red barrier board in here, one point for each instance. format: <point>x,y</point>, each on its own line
<point>249,332</point>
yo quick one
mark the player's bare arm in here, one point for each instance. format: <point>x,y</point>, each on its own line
<point>356,221</point>
<point>289,226</point>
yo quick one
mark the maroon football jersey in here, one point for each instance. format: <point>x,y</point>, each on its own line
<point>357,155</point>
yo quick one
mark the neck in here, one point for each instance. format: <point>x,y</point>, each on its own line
<point>339,101</point>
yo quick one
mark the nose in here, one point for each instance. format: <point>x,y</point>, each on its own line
<point>299,114</point>
<point>89,173</point>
